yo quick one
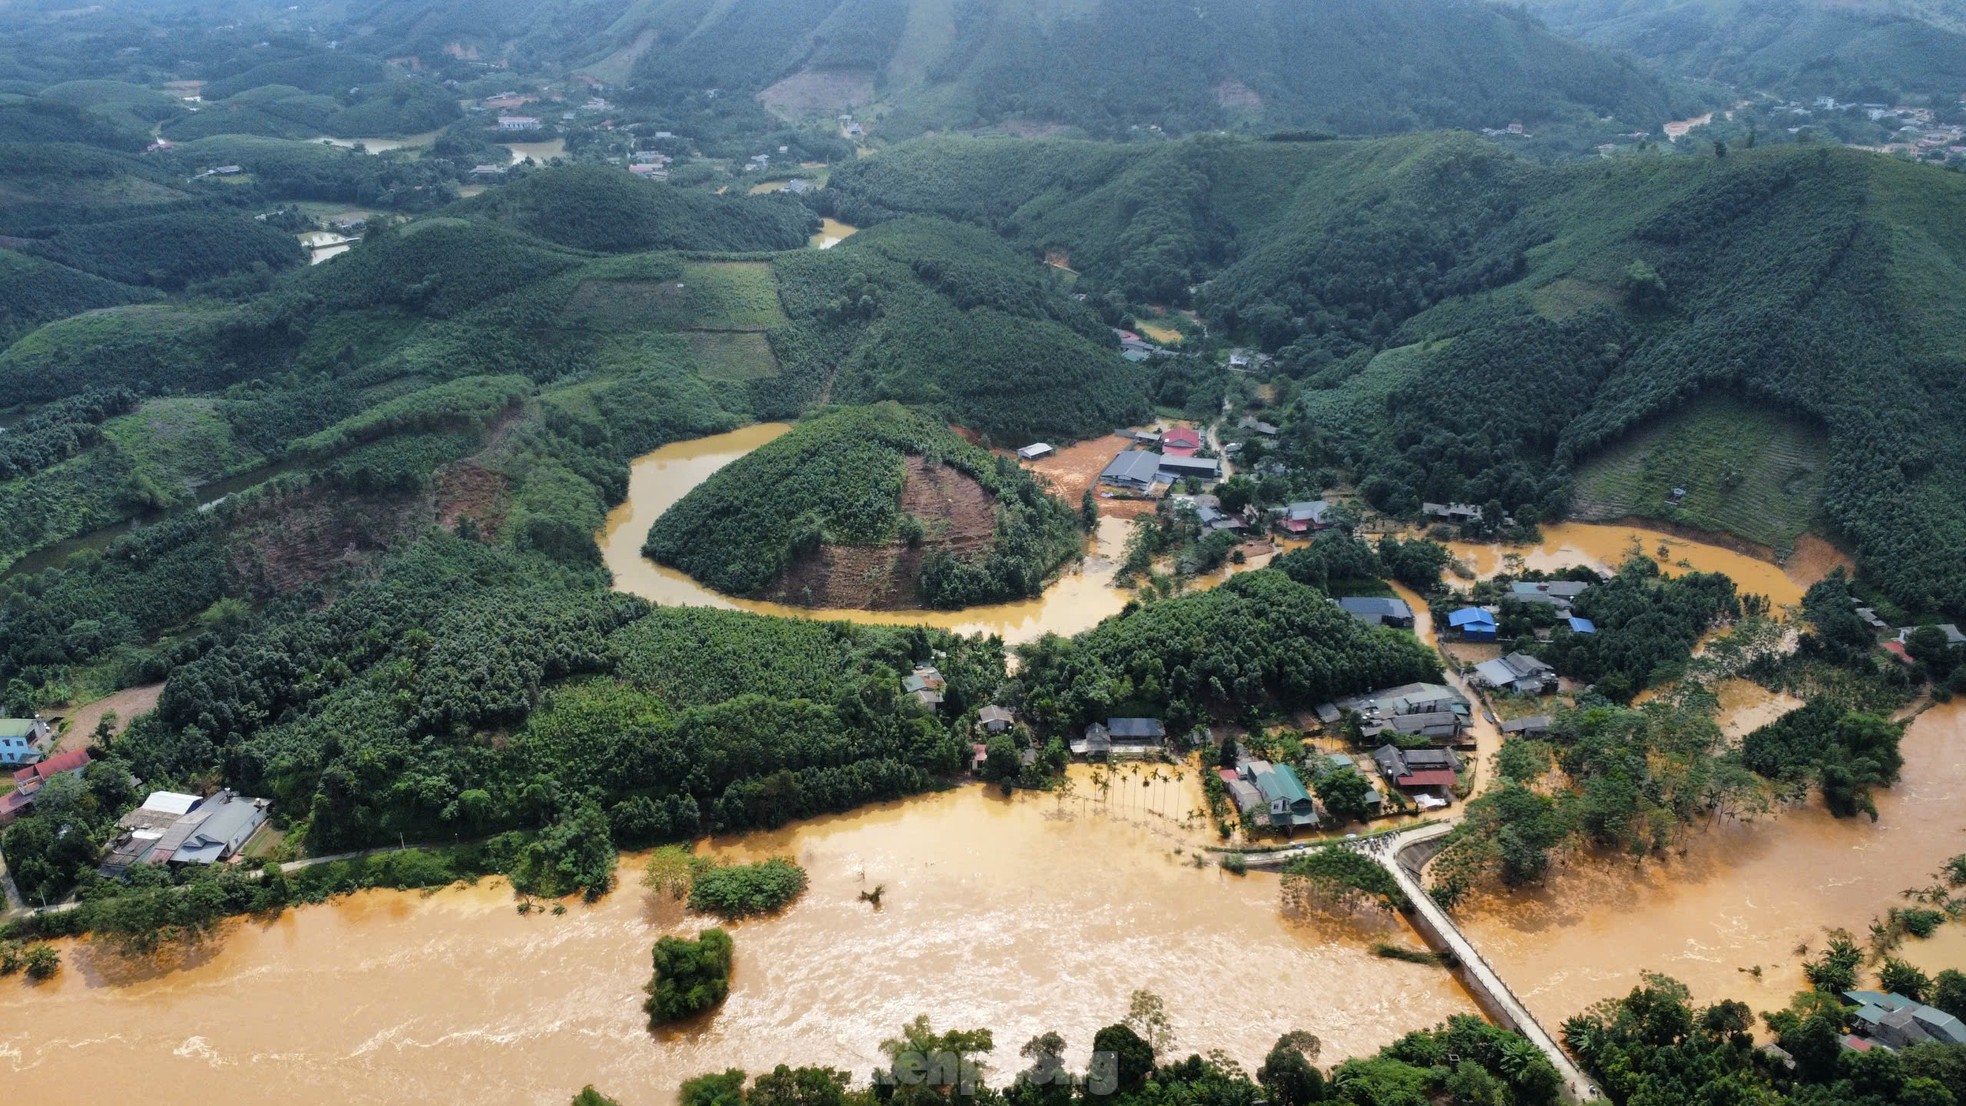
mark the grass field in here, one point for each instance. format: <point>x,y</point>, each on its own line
<point>711,295</point>
<point>1747,471</point>
<point>1362,399</point>
<point>732,355</point>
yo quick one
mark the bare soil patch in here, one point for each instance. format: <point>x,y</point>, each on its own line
<point>1234,94</point>
<point>126,704</point>
<point>468,489</point>
<point>818,92</point>
<point>1072,469</point>
<point>958,517</point>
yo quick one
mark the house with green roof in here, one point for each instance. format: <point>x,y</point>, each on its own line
<point>1289,805</point>
<point>24,740</point>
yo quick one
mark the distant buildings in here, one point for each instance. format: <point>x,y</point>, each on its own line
<point>519,123</point>
<point>1561,594</point>
<point>1421,705</point>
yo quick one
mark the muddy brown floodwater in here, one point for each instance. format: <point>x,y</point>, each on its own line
<point>1079,599</point>
<point>1741,896</point>
<point>1023,915</point>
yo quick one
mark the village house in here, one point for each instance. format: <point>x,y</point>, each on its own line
<point>1242,794</point>
<point>519,123</point>
<point>1580,625</point>
<point>29,781</point>
<point>1474,623</point>
<point>1427,776</point>
<point>925,683</point>
<point>213,831</point>
<point>1252,423</point>
<point>24,740</point>
<point>1285,802</point>
<point>1452,512</point>
<point>799,186</point>
<point>1377,610</point>
<point>995,719</point>
<point>1134,470</point>
<point>142,828</point>
<point>1561,594</point>
<point>1517,672</point>
<point>1375,799</point>
<point>1892,1021</point>
<point>486,172</point>
<point>1377,709</point>
<point>1035,450</point>
<point>1179,468</point>
<point>1536,725</point>
<point>1214,518</point>
<point>1118,737</point>
<point>1180,441</point>
<point>1441,727</point>
<point>1951,631</point>
<point>1305,517</point>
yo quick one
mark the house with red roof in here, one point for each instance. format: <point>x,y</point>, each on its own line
<point>28,782</point>
<point>1181,441</point>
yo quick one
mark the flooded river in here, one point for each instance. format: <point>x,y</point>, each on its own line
<point>1077,600</point>
<point>1023,915</point>
<point>1741,896</point>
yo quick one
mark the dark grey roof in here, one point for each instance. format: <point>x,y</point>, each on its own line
<point>1536,723</point>
<point>1133,467</point>
<point>1136,727</point>
<point>1191,466</point>
<point>1374,608</point>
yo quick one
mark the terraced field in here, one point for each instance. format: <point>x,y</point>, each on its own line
<point>1746,471</point>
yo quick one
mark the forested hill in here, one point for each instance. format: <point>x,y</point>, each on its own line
<point>872,507</point>
<point>1457,323</point>
<point>1863,50</point>
<point>1106,67</point>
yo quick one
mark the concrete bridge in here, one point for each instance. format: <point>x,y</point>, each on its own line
<point>1404,854</point>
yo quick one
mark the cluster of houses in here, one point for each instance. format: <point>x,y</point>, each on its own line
<point>925,683</point>
<point>1418,725</point>
<point>174,828</point>
<point>1271,795</point>
<point>1892,1021</point>
<point>1169,458</point>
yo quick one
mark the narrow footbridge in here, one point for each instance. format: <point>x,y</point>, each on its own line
<point>1482,980</point>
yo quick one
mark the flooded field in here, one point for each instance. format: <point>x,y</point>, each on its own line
<point>1023,915</point>
<point>1741,896</point>
<point>1603,546</point>
<point>541,152</point>
<point>831,233</point>
<point>321,245</point>
<point>384,145</point>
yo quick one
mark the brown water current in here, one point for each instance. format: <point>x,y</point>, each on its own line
<point>1079,599</point>
<point>1024,915</point>
<point>1740,896</point>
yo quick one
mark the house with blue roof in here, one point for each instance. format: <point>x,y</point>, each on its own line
<point>1582,625</point>
<point>1474,623</point>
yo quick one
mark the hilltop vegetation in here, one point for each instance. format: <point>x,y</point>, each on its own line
<point>934,519</point>
<point>599,208</point>
<point>1539,313</point>
<point>1876,50</point>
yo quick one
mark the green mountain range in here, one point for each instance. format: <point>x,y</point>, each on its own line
<point>1868,50</point>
